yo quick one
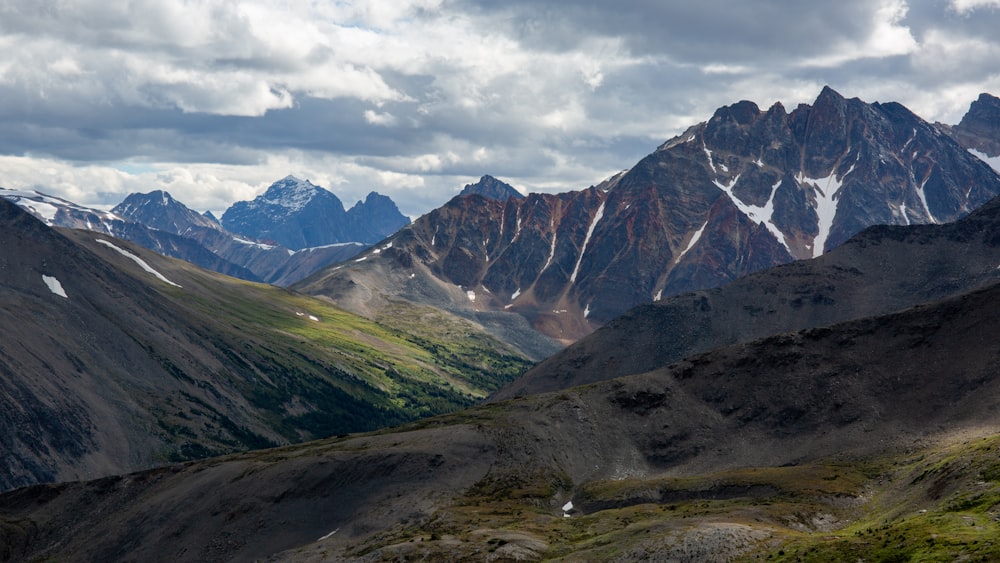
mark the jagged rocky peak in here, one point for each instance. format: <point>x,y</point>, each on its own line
<point>491,188</point>
<point>743,191</point>
<point>979,129</point>
<point>983,116</point>
<point>155,198</point>
<point>159,210</point>
<point>298,214</point>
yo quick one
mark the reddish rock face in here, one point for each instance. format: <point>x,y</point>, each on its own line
<point>744,191</point>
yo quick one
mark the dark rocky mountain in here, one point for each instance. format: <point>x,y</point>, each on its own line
<point>258,261</point>
<point>159,210</point>
<point>980,127</point>
<point>882,269</point>
<point>858,440</point>
<point>161,223</point>
<point>119,358</point>
<point>490,187</point>
<point>744,191</point>
<point>297,214</point>
<point>58,212</point>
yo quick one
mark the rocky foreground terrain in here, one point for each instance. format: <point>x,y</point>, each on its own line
<point>874,436</point>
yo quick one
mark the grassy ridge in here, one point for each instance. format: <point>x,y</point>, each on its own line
<point>315,370</point>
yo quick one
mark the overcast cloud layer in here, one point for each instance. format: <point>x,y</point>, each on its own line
<point>214,100</point>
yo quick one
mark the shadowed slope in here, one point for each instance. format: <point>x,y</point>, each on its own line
<point>872,387</point>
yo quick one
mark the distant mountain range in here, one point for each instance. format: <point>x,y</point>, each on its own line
<point>744,191</point>
<point>161,223</point>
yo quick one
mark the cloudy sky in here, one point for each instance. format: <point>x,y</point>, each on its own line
<point>214,100</point>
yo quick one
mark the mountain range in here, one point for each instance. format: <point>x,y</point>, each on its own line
<point>744,191</point>
<point>161,223</point>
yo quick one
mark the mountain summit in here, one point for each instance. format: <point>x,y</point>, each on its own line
<point>491,188</point>
<point>298,214</point>
<point>980,127</point>
<point>746,190</point>
<point>159,210</point>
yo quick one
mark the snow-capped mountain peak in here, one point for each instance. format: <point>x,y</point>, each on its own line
<point>299,214</point>
<point>290,193</point>
<point>57,211</point>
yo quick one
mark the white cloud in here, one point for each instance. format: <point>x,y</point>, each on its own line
<point>213,101</point>
<point>887,36</point>
<point>966,6</point>
<point>376,118</point>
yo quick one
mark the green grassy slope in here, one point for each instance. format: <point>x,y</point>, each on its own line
<point>303,367</point>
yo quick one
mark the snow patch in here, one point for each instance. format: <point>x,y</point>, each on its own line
<point>471,295</point>
<point>763,215</point>
<point>826,207</point>
<point>321,247</point>
<point>902,212</point>
<point>313,318</point>
<point>658,296</point>
<point>586,311</point>
<point>54,286</point>
<point>993,161</point>
<point>515,295</point>
<point>552,248</point>
<point>253,243</point>
<point>590,232</point>
<point>923,199</point>
<point>328,536</point>
<point>142,263</point>
<point>710,163</point>
<point>690,245</point>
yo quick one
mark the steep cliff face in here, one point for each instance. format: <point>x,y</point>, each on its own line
<point>744,191</point>
<point>979,129</point>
